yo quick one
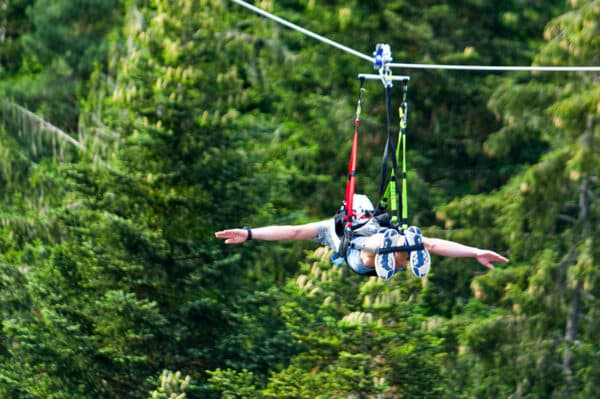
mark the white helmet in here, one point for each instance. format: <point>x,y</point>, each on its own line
<point>362,209</point>
<point>362,206</point>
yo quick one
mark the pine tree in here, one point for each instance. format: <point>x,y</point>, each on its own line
<point>544,326</point>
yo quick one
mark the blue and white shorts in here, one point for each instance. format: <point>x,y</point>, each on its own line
<point>353,256</point>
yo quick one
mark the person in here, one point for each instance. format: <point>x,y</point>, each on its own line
<point>362,255</point>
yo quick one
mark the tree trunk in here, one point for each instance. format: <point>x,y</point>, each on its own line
<point>571,335</point>
<point>585,198</point>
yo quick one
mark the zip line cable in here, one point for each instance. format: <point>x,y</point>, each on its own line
<point>499,68</point>
<point>416,66</point>
<point>302,30</point>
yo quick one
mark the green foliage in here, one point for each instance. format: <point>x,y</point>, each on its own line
<point>234,384</point>
<point>15,23</point>
<point>366,345</point>
<point>130,132</point>
<point>548,212</point>
<point>52,49</point>
<point>172,386</point>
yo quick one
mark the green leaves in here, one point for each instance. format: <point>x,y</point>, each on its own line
<point>197,115</point>
<point>547,213</point>
<point>172,386</point>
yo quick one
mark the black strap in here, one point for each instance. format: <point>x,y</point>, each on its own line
<point>389,148</point>
<point>408,248</point>
<point>405,248</point>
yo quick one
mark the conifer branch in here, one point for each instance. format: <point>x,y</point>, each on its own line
<point>42,124</point>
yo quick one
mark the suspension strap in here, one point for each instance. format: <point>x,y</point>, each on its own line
<point>389,193</point>
<point>351,182</point>
<point>394,198</point>
<point>403,111</point>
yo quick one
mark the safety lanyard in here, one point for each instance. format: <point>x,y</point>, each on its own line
<point>351,183</point>
<point>395,197</point>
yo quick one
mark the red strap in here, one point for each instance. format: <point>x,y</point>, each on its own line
<point>351,183</point>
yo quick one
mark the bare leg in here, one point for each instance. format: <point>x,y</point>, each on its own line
<point>374,242</point>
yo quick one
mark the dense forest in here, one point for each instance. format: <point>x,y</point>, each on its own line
<point>131,131</point>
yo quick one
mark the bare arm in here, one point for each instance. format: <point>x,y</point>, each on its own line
<point>270,233</point>
<point>455,250</point>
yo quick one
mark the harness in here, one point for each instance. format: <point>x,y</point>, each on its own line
<point>392,208</point>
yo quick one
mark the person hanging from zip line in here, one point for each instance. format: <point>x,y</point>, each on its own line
<point>375,246</point>
<point>370,240</point>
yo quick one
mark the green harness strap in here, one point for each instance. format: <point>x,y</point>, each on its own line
<point>391,193</point>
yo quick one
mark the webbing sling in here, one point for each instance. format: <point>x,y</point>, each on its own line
<point>399,202</point>
<point>403,111</point>
<point>351,183</point>
<point>390,194</point>
<point>346,239</point>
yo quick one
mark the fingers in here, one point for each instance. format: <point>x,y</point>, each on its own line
<point>490,257</point>
<point>232,236</point>
<point>498,258</point>
<point>225,234</point>
<point>489,265</point>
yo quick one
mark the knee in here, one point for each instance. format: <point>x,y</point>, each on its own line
<point>367,258</point>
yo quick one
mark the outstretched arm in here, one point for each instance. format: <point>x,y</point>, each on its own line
<point>455,250</point>
<point>270,233</point>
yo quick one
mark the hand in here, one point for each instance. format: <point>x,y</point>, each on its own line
<point>233,236</point>
<point>485,257</point>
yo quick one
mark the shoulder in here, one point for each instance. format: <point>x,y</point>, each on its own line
<point>324,233</point>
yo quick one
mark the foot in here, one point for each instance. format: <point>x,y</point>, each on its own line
<point>420,261</point>
<point>385,263</point>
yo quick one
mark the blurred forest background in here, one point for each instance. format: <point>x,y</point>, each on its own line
<point>130,131</point>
